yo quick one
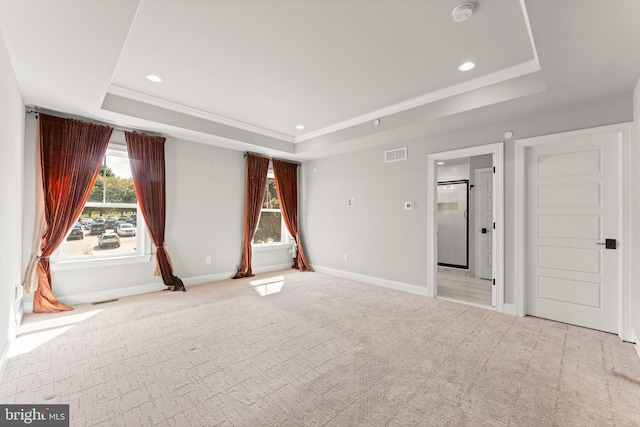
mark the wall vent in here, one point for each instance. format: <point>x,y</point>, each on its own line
<point>395,155</point>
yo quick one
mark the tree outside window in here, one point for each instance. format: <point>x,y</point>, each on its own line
<point>270,225</point>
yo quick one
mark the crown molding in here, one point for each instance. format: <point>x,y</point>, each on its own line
<point>170,105</point>
<point>499,76</point>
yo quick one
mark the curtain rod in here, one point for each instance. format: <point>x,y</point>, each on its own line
<point>271,158</point>
<point>31,109</point>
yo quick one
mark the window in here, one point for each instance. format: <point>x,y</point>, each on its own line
<point>110,226</point>
<point>271,227</point>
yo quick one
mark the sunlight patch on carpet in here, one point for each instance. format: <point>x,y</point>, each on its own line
<point>268,286</point>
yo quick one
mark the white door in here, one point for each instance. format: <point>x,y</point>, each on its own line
<point>573,205</point>
<point>484,222</point>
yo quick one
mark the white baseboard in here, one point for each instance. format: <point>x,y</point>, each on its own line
<point>272,268</point>
<point>207,278</point>
<point>111,294</point>
<point>509,309</point>
<point>399,286</point>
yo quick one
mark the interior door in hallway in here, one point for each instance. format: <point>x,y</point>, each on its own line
<point>573,205</point>
<point>484,222</point>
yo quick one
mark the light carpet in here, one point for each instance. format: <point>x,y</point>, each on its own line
<point>324,351</point>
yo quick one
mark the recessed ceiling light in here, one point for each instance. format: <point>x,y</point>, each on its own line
<point>441,163</point>
<point>154,78</point>
<point>466,66</point>
<point>299,127</point>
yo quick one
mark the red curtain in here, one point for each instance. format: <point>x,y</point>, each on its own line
<point>146,157</point>
<point>71,152</point>
<point>255,182</point>
<point>286,174</point>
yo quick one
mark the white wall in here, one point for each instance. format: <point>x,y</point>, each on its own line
<point>205,205</point>
<point>383,241</point>
<point>635,273</point>
<point>11,137</point>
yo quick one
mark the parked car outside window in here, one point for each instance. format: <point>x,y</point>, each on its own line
<point>108,239</point>
<point>97,228</point>
<point>126,229</point>
<point>76,233</point>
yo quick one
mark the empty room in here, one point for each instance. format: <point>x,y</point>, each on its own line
<point>320,213</point>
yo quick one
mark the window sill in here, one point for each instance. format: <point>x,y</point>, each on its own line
<point>269,247</point>
<point>102,262</point>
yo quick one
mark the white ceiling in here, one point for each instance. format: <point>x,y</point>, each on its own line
<point>243,73</point>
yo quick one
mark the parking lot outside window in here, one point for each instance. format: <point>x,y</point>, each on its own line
<point>110,227</point>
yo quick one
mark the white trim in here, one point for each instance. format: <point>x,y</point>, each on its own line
<point>111,294</point>
<point>398,286</point>
<point>508,73</point>
<point>520,250</point>
<point>525,15</point>
<point>271,268</point>
<point>625,296</point>
<point>473,304</point>
<point>263,247</point>
<point>625,132</point>
<point>88,262</point>
<point>508,308</point>
<point>497,150</point>
<point>93,297</point>
<point>173,106</point>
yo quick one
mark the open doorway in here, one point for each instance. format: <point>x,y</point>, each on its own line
<point>465,225</point>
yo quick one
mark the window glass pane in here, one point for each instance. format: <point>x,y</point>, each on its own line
<point>270,195</point>
<point>105,231</point>
<point>269,228</point>
<point>108,224</point>
<point>114,184</point>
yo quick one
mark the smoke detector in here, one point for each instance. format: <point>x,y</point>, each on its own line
<point>462,12</point>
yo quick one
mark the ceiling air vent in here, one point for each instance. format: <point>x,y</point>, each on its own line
<point>395,155</point>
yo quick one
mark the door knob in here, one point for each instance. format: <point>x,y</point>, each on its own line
<point>609,243</point>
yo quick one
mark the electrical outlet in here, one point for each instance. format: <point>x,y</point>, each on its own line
<point>208,260</point>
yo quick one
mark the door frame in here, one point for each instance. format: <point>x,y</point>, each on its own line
<point>497,151</point>
<point>625,135</point>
